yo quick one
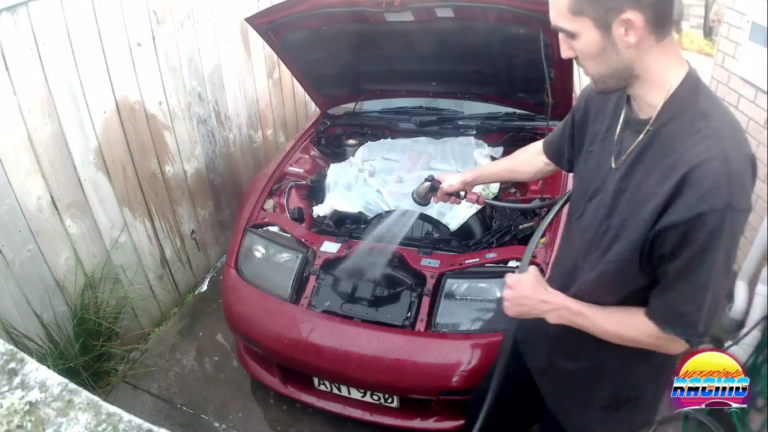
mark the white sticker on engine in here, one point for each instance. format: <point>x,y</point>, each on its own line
<point>444,12</point>
<point>399,16</point>
<point>330,247</point>
<point>513,264</point>
<point>473,260</point>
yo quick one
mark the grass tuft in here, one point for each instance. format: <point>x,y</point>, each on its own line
<point>84,345</point>
<point>87,344</point>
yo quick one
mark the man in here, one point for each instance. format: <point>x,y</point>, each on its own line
<point>663,177</point>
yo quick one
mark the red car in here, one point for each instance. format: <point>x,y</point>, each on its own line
<point>407,347</point>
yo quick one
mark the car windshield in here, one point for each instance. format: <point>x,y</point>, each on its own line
<point>462,106</point>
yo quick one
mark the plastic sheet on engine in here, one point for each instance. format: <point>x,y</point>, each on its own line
<point>382,175</point>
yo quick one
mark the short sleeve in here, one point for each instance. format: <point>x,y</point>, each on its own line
<point>693,264</point>
<point>564,143</point>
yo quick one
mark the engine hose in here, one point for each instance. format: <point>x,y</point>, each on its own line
<point>518,206</point>
<point>511,324</point>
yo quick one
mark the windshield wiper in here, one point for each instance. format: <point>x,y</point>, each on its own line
<point>406,110</point>
<point>420,108</point>
<point>501,117</point>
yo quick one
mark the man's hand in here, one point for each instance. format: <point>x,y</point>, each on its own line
<point>527,295</point>
<point>451,183</point>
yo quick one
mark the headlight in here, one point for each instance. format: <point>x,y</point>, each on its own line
<point>272,261</point>
<point>470,302</point>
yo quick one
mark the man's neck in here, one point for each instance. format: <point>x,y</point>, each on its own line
<point>666,65</point>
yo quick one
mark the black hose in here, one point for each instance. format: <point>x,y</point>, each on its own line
<point>518,206</point>
<point>511,326</point>
<point>745,334</point>
<point>701,417</point>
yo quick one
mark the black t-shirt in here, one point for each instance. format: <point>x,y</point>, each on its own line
<point>660,231</point>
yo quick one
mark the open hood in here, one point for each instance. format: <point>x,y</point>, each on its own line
<point>343,51</point>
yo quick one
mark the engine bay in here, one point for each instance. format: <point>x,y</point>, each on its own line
<point>490,227</point>
<point>395,296</point>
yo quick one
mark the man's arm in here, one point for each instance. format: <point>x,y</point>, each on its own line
<point>537,160</point>
<point>527,164</point>
<point>621,325</point>
<point>691,262</point>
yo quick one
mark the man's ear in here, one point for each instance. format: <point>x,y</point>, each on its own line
<point>629,28</point>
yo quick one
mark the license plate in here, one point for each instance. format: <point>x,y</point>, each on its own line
<point>356,393</point>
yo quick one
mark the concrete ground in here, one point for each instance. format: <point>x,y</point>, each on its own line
<point>190,380</point>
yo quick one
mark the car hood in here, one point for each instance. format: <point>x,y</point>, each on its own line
<point>344,51</point>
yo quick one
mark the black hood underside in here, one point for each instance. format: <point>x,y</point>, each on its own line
<point>498,61</point>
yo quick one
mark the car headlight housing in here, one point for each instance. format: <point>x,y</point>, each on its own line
<point>272,261</point>
<point>470,302</point>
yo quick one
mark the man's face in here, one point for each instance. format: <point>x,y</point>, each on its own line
<point>597,54</point>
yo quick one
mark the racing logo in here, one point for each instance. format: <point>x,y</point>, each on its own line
<point>710,379</point>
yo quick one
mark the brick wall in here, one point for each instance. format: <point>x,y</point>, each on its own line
<point>748,103</point>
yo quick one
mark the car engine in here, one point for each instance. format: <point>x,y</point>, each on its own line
<point>489,227</point>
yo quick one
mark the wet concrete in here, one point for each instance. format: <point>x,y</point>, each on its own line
<point>190,380</point>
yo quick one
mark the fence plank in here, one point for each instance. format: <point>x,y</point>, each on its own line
<point>227,35</point>
<point>203,119</point>
<point>248,87</point>
<point>258,60</point>
<point>46,136</point>
<point>301,104</point>
<point>134,119</point>
<point>289,102</point>
<point>32,193</point>
<point>14,308</point>
<point>97,88</point>
<point>217,96</point>
<point>161,17</point>
<point>24,261</point>
<point>238,11</point>
<point>145,61</point>
<point>274,83</point>
<point>311,107</point>
<point>64,81</point>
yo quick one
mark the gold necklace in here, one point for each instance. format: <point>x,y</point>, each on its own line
<point>647,128</point>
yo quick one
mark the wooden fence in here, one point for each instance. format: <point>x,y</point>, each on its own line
<point>128,131</point>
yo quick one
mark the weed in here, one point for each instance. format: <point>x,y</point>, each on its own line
<point>84,345</point>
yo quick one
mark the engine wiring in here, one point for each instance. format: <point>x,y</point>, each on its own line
<point>509,224</point>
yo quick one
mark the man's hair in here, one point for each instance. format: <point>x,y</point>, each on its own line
<point>659,14</point>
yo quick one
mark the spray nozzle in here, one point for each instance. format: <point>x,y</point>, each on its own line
<point>424,192</point>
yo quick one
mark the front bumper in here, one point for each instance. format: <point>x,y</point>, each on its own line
<point>284,346</point>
